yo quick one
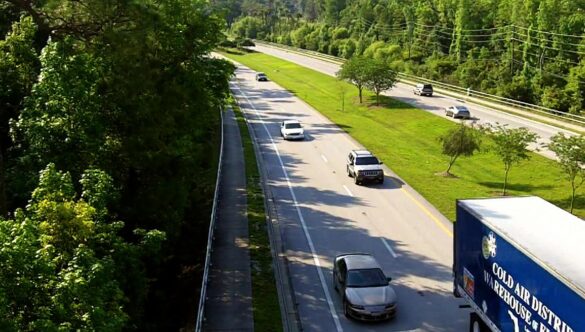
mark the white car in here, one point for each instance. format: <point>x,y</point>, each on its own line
<point>364,166</point>
<point>292,129</point>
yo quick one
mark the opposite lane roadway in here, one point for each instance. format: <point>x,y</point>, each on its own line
<point>435,104</point>
<point>322,213</point>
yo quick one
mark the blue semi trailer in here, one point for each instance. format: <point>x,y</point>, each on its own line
<point>520,264</point>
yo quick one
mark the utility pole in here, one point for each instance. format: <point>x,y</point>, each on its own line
<point>512,59</point>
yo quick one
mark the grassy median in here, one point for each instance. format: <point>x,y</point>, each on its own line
<point>405,138</point>
<point>264,295</point>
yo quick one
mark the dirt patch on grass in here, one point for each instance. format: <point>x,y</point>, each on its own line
<point>447,175</point>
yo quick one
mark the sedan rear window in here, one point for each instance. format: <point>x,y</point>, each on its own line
<point>366,278</point>
<point>367,161</point>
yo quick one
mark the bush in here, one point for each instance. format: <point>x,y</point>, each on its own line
<point>228,43</point>
<point>246,42</point>
<point>340,33</point>
<point>519,89</point>
<point>348,49</point>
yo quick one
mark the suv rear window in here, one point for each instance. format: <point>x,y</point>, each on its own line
<point>428,87</point>
<point>366,161</point>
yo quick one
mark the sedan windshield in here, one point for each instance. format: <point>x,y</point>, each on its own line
<point>292,125</point>
<point>366,278</point>
<point>366,161</point>
<point>461,109</point>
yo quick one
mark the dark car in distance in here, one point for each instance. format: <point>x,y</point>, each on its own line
<point>261,77</point>
<point>423,90</point>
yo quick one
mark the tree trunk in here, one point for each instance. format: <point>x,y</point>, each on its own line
<point>377,98</point>
<point>3,204</point>
<point>573,189</point>
<point>360,93</point>
<point>505,180</point>
<point>451,163</point>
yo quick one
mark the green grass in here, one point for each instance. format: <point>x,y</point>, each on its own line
<point>405,138</point>
<point>264,295</point>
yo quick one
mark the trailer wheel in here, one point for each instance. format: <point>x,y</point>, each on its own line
<point>476,324</point>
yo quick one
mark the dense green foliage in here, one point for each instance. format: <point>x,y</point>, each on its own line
<point>531,50</point>
<point>61,258</point>
<point>121,99</point>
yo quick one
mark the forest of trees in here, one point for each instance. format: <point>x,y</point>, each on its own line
<point>529,50</point>
<point>109,136</point>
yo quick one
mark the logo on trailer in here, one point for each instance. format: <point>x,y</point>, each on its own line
<point>488,246</point>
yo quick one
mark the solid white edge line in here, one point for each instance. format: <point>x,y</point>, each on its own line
<point>302,219</point>
<point>324,158</point>
<point>348,191</point>
<point>388,247</point>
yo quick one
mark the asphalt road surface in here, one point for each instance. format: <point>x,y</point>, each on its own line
<point>435,104</point>
<point>322,213</point>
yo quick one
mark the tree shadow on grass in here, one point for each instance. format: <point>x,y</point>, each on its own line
<point>386,102</point>
<point>525,187</point>
<point>565,202</point>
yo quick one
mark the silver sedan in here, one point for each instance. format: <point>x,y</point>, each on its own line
<point>365,290</point>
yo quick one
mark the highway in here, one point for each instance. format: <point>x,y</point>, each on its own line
<point>435,104</point>
<point>322,213</point>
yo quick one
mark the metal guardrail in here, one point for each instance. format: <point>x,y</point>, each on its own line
<point>540,110</point>
<point>204,282</point>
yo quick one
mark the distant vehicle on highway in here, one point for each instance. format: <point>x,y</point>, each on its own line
<point>364,289</point>
<point>364,166</point>
<point>292,129</point>
<point>423,90</point>
<point>261,77</point>
<point>458,111</point>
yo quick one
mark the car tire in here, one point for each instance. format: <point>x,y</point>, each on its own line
<point>346,309</point>
<point>348,171</point>
<point>355,179</point>
<point>476,324</point>
<point>335,284</point>
<point>381,180</point>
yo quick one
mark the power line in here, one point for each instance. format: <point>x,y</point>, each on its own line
<point>551,58</point>
<point>463,40</point>
<point>381,28</point>
<point>445,28</point>
<point>547,47</point>
<point>547,72</point>
<point>547,40</point>
<point>551,33</point>
<point>438,29</point>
